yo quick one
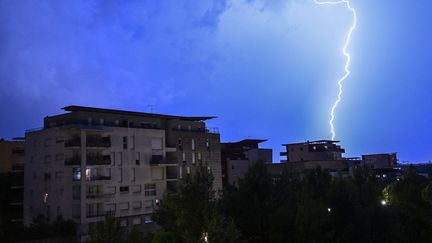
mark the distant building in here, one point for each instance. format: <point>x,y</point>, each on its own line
<point>380,161</point>
<point>326,154</point>
<point>237,157</point>
<point>89,162</point>
<point>12,169</point>
<point>321,150</point>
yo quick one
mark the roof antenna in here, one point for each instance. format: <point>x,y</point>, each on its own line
<point>151,108</point>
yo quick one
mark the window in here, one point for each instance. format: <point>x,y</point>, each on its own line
<point>150,190</point>
<point>89,120</point>
<point>59,174</point>
<point>34,175</point>
<point>101,122</point>
<point>199,157</point>
<point>133,174</point>
<point>47,159</point>
<point>47,142</point>
<point>60,139</point>
<point>76,211</point>
<point>120,174</point>
<point>125,143</point>
<point>184,156</point>
<point>181,172</point>
<point>148,205</point>
<point>119,158</point>
<point>47,176</point>
<point>148,219</point>
<point>136,205</point>
<point>179,143</point>
<point>124,206</point>
<point>124,189</point>
<point>111,190</point>
<point>59,157</point>
<point>137,158</point>
<point>193,144</point>
<point>76,174</point>
<point>136,188</point>
<point>188,170</point>
<point>123,223</point>
<point>45,197</point>
<point>207,143</point>
<point>193,158</point>
<point>116,122</point>
<point>136,221</point>
<point>156,143</point>
<point>76,192</point>
<point>110,207</point>
<point>133,142</point>
<point>189,127</point>
<point>113,158</point>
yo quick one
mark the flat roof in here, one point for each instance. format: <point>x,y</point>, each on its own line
<point>247,141</point>
<point>313,142</point>
<point>74,108</point>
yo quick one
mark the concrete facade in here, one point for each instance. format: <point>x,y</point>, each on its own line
<point>90,162</point>
<point>12,167</point>
<point>237,157</point>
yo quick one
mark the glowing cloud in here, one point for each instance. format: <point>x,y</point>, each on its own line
<point>348,59</point>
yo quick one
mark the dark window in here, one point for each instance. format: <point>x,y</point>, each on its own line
<point>124,189</point>
<point>125,143</point>
<point>47,176</point>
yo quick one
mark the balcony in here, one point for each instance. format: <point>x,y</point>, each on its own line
<point>99,178</point>
<point>98,142</point>
<point>161,160</point>
<point>95,214</point>
<point>95,195</point>
<point>172,173</point>
<point>73,142</point>
<point>210,130</point>
<point>98,159</point>
<point>74,160</point>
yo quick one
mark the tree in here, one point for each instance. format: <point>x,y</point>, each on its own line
<point>107,231</point>
<point>190,212</point>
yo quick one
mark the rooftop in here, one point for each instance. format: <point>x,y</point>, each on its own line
<point>314,142</point>
<point>74,108</point>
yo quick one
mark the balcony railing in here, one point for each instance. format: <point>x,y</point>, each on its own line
<point>95,214</point>
<point>160,160</point>
<point>75,160</point>
<point>100,178</point>
<point>211,130</point>
<point>73,142</point>
<point>97,125</point>
<point>102,142</point>
<point>98,160</point>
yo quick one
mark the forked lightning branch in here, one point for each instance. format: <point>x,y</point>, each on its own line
<point>348,59</point>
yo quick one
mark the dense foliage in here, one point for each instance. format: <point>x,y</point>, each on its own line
<point>312,207</point>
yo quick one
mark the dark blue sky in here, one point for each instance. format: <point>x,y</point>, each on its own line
<point>267,69</point>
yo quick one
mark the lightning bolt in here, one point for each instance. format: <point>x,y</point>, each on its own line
<point>348,59</point>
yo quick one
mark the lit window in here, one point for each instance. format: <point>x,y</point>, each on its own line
<point>45,198</point>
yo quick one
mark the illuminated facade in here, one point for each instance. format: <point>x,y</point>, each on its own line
<point>89,162</point>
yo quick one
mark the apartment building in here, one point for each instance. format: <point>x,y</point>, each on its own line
<point>12,172</point>
<point>309,155</point>
<point>237,157</point>
<point>88,162</point>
